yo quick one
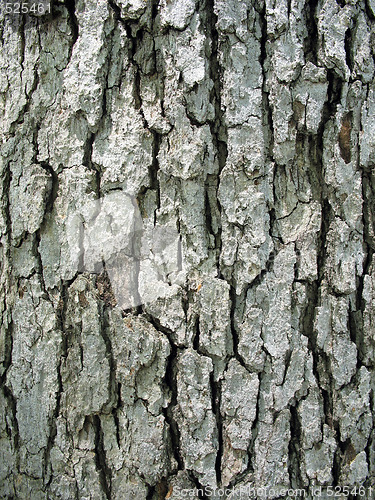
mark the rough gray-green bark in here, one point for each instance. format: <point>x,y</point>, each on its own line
<point>247,127</point>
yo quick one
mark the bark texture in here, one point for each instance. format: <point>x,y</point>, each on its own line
<point>248,129</point>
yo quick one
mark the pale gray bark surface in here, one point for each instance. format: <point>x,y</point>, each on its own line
<point>248,127</point>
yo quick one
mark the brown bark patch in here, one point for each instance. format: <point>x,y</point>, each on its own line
<point>104,287</point>
<point>344,138</point>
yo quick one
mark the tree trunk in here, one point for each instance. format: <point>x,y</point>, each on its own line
<point>187,239</point>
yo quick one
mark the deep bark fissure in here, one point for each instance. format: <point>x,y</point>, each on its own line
<point>170,382</point>
<point>135,41</point>
<point>236,302</point>
<point>369,12</point>
<point>315,145</point>
<point>293,450</point>
<point>269,135</point>
<point>100,458</point>
<point>60,320</point>
<point>348,49</point>
<point>200,489</point>
<point>105,334</point>
<point>370,441</point>
<point>211,71</point>
<point>74,26</point>
<point>311,41</point>
<point>196,336</point>
<point>216,403</point>
<point>7,314</point>
<point>356,316</point>
<point>154,170</point>
<point>218,128</point>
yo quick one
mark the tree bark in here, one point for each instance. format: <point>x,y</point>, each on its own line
<point>187,241</point>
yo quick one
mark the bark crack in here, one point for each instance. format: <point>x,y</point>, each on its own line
<point>219,132</point>
<point>70,6</point>
<point>105,473</point>
<point>170,382</point>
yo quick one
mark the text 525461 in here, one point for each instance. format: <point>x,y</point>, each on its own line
<point>33,8</point>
